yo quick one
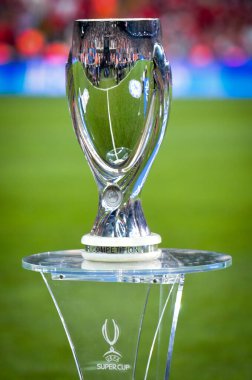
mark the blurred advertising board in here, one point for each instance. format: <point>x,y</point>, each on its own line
<point>215,80</point>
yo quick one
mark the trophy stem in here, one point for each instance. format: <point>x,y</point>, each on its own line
<point>127,220</point>
<point>119,330</point>
<point>121,235</point>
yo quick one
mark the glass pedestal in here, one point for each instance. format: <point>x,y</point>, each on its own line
<point>120,318</point>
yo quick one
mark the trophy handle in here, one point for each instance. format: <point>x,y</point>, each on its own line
<point>120,211</point>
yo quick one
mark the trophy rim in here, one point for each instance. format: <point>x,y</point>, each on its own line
<point>117,19</point>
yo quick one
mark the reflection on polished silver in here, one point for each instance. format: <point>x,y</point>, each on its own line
<point>119,88</point>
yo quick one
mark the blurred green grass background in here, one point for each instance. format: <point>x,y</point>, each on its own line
<point>198,195</point>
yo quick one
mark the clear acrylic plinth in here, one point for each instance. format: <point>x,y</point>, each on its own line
<point>120,318</point>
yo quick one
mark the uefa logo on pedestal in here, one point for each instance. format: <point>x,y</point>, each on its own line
<point>112,356</point>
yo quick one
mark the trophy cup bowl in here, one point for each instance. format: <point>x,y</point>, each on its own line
<point>119,88</point>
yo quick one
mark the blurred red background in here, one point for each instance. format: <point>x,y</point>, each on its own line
<point>199,30</point>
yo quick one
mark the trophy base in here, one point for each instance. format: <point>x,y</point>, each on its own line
<point>121,249</point>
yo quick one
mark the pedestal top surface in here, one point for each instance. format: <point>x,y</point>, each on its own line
<point>71,265</point>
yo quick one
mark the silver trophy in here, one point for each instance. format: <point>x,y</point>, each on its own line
<point>119,89</point>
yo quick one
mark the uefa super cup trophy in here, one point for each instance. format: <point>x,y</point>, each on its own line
<point>119,89</point>
<point>120,317</point>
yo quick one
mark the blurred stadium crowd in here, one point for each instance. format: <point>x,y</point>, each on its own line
<point>198,30</point>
